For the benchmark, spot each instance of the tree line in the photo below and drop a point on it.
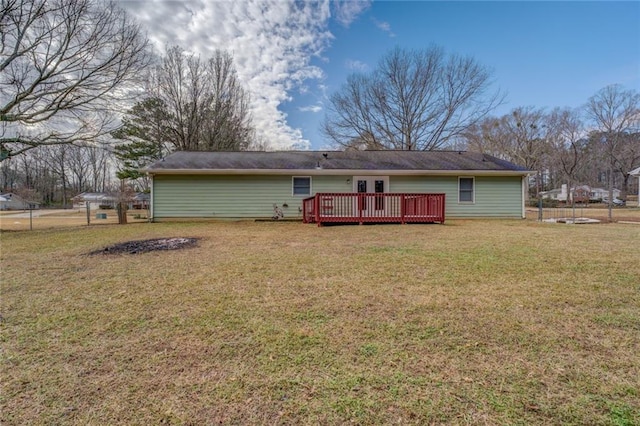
(81, 92)
(597, 144)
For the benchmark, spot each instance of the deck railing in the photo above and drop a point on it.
(377, 208)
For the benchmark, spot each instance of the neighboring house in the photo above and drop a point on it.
(603, 194)
(11, 201)
(96, 199)
(254, 184)
(581, 193)
(636, 173)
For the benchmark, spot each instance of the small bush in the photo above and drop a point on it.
(105, 207)
(546, 203)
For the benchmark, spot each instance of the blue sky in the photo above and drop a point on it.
(292, 56)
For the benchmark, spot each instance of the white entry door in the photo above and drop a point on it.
(371, 185)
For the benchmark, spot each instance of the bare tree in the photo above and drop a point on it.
(207, 106)
(57, 160)
(64, 67)
(79, 160)
(614, 168)
(520, 137)
(568, 144)
(615, 112)
(414, 100)
(628, 158)
(227, 124)
(100, 170)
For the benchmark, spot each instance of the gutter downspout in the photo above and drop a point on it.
(151, 199)
(525, 182)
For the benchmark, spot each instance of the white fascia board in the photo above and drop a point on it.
(338, 172)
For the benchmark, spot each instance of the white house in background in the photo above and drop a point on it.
(95, 200)
(636, 173)
(582, 193)
(11, 201)
(602, 193)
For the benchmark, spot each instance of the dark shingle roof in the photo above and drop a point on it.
(333, 160)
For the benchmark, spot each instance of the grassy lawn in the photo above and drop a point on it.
(472, 322)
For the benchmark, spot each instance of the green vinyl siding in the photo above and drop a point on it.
(495, 196)
(253, 196)
(231, 196)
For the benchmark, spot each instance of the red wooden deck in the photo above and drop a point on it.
(373, 208)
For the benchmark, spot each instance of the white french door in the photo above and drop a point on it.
(371, 185)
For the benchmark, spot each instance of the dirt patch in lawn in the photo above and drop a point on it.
(144, 246)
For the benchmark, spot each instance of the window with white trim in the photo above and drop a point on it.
(301, 185)
(466, 190)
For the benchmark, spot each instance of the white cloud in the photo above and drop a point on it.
(311, 108)
(355, 65)
(272, 43)
(384, 26)
(346, 11)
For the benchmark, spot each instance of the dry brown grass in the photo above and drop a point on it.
(72, 218)
(472, 322)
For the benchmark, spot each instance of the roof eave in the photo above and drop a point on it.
(337, 172)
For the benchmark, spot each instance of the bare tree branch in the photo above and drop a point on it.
(414, 100)
(64, 66)
(207, 106)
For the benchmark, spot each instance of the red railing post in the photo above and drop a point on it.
(304, 211)
(316, 209)
(402, 211)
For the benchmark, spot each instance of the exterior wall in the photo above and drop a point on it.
(495, 196)
(231, 196)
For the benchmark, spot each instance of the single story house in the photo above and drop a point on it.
(97, 200)
(11, 201)
(259, 184)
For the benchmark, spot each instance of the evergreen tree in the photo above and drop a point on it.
(145, 131)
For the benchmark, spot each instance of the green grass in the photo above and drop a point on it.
(473, 322)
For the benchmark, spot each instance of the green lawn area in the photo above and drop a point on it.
(471, 322)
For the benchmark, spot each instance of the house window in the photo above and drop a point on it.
(466, 190)
(301, 185)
